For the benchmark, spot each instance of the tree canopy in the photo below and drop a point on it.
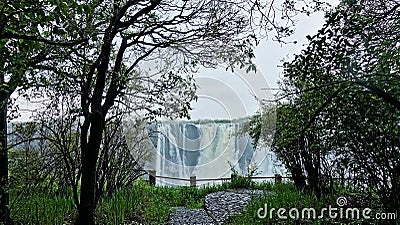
(338, 112)
(131, 56)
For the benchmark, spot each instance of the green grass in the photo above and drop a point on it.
(285, 195)
(151, 205)
(41, 208)
(282, 195)
(141, 202)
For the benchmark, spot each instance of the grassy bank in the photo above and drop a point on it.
(142, 203)
(151, 205)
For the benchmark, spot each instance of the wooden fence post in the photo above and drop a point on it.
(278, 178)
(193, 181)
(152, 177)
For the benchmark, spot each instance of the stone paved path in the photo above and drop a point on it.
(218, 207)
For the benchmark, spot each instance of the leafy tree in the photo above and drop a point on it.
(98, 51)
(340, 113)
(45, 153)
(176, 37)
(29, 33)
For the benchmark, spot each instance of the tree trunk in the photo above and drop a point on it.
(4, 195)
(90, 152)
(394, 198)
(297, 176)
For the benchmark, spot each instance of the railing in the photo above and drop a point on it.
(193, 179)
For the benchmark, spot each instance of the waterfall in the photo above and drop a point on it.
(203, 149)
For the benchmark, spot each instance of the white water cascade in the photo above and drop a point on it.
(203, 149)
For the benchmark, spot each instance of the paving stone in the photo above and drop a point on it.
(183, 215)
(218, 207)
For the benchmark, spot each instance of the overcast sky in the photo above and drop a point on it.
(225, 95)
